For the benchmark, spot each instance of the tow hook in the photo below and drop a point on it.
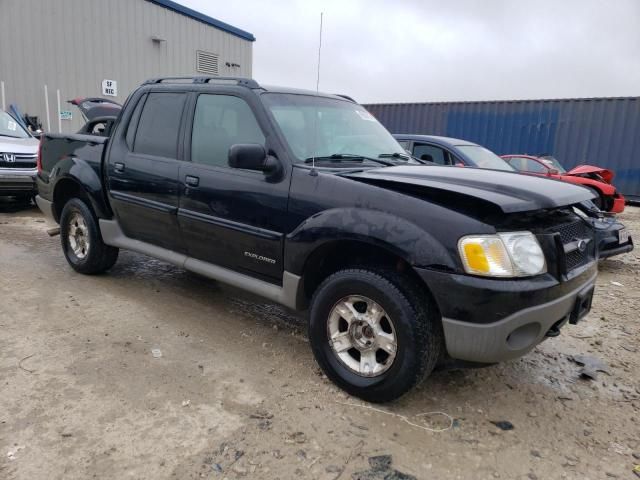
(554, 331)
(52, 232)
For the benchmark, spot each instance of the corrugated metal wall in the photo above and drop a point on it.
(596, 131)
(72, 45)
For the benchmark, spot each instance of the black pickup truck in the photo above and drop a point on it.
(305, 199)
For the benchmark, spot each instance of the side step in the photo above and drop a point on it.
(290, 294)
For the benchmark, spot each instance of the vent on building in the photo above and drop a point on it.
(206, 62)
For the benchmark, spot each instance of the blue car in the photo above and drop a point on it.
(451, 151)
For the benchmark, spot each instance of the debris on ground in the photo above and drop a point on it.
(590, 366)
(296, 437)
(503, 424)
(381, 470)
(156, 352)
(11, 454)
(616, 284)
(186, 403)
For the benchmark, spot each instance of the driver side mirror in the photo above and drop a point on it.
(252, 156)
(553, 171)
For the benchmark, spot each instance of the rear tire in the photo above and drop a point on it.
(405, 315)
(81, 240)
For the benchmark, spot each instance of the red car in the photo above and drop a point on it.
(595, 178)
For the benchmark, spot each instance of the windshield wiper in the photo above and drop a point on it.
(10, 136)
(348, 157)
(403, 156)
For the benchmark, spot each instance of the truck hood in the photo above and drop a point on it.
(580, 170)
(19, 145)
(509, 191)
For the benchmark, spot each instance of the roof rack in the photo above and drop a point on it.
(240, 81)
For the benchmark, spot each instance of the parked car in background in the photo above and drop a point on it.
(99, 113)
(18, 156)
(305, 199)
(612, 237)
(451, 151)
(596, 179)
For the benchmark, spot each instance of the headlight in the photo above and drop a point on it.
(514, 254)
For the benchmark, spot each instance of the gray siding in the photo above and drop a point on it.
(72, 45)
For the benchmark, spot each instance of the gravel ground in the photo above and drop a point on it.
(236, 392)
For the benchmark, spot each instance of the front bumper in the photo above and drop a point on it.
(18, 182)
(618, 203)
(489, 321)
(608, 237)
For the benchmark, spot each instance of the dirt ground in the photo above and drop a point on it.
(236, 392)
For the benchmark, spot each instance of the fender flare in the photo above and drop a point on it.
(381, 229)
(80, 173)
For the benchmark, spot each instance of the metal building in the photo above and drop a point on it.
(596, 131)
(66, 49)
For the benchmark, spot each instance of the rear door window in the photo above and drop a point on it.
(159, 125)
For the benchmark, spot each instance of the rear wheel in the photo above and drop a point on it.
(374, 333)
(81, 240)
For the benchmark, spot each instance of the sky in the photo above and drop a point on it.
(380, 51)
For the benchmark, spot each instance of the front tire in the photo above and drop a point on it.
(81, 240)
(374, 333)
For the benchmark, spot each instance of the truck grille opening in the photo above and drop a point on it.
(578, 242)
(17, 160)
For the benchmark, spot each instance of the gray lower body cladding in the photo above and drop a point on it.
(290, 294)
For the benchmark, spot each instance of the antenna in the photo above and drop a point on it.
(319, 51)
(315, 117)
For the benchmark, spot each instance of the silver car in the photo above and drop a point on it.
(18, 154)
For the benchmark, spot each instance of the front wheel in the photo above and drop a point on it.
(374, 333)
(81, 240)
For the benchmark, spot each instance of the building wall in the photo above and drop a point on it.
(72, 45)
(596, 131)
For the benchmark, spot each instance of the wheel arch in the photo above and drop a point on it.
(69, 187)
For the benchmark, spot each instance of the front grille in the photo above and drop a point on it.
(571, 234)
(20, 160)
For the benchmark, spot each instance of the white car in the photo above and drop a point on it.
(18, 154)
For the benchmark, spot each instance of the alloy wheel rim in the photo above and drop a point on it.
(362, 336)
(78, 235)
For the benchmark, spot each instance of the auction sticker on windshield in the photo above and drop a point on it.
(365, 115)
(11, 125)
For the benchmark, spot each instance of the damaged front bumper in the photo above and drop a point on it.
(489, 320)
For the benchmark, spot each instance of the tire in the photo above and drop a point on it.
(411, 317)
(599, 200)
(96, 257)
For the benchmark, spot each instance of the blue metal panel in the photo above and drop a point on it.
(176, 7)
(596, 131)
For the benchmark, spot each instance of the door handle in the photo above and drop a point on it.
(191, 181)
(118, 167)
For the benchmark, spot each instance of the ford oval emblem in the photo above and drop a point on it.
(582, 245)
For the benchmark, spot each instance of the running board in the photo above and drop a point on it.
(290, 294)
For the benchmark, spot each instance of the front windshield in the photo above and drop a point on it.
(10, 128)
(551, 162)
(483, 158)
(317, 127)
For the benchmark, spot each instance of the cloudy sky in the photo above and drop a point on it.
(412, 50)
